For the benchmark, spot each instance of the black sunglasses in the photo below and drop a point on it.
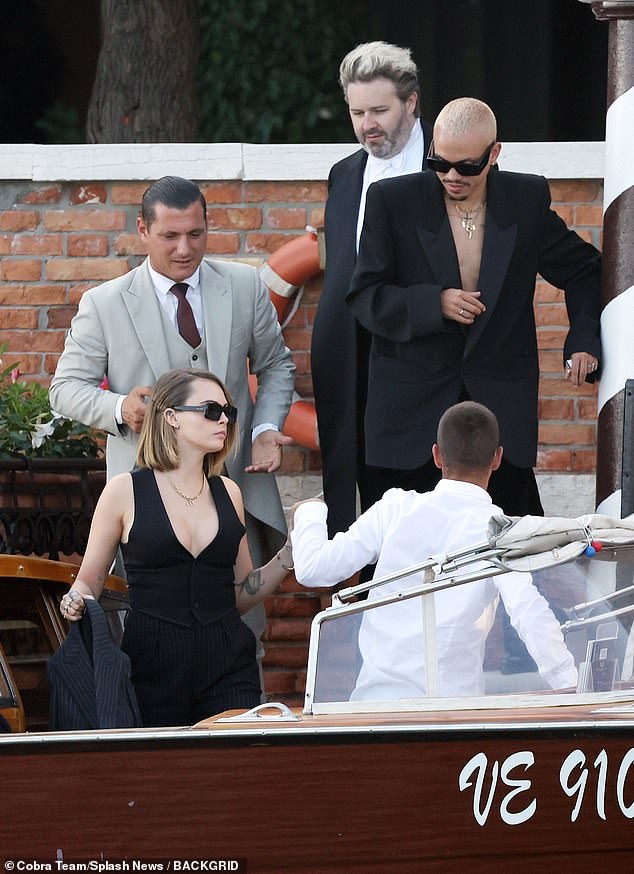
(464, 168)
(213, 410)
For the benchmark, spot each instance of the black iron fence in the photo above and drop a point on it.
(46, 505)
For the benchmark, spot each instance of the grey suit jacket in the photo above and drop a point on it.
(119, 331)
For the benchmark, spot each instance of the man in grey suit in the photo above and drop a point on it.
(178, 310)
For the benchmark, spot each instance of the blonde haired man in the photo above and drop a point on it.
(445, 282)
(380, 86)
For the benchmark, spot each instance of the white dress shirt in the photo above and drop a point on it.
(401, 530)
(409, 160)
(169, 302)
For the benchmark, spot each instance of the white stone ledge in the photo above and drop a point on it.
(16, 161)
(567, 494)
(251, 162)
(555, 160)
(311, 161)
(138, 161)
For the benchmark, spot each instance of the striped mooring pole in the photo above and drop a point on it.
(615, 434)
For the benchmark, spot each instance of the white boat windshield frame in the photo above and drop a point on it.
(540, 544)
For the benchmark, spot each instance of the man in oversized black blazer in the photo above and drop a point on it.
(445, 281)
(380, 85)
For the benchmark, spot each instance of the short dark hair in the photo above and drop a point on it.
(468, 436)
(172, 191)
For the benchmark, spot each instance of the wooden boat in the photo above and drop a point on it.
(31, 629)
(515, 779)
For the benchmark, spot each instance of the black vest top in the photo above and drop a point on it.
(164, 578)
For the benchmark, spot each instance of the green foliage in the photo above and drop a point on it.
(29, 427)
(60, 124)
(269, 69)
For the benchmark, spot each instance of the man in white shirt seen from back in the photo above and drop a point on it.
(403, 529)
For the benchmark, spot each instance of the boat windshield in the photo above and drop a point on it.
(559, 634)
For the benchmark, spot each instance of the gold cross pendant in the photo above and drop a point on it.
(468, 225)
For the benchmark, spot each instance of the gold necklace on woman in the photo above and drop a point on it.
(467, 217)
(189, 502)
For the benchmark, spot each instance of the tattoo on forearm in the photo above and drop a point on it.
(253, 582)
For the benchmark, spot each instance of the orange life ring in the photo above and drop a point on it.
(287, 269)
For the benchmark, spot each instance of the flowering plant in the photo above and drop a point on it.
(28, 426)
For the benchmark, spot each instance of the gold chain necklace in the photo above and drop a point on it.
(188, 501)
(467, 217)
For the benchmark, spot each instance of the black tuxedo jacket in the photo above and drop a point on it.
(340, 346)
(420, 362)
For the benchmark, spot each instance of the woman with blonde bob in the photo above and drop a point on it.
(180, 524)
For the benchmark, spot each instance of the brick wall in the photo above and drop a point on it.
(59, 238)
(567, 416)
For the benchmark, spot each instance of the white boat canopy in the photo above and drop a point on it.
(532, 542)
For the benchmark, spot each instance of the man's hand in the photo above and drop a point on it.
(266, 452)
(461, 306)
(133, 407)
(580, 365)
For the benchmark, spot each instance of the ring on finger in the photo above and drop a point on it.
(461, 312)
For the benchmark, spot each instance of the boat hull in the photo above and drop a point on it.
(355, 794)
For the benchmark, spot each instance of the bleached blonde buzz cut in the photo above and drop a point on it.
(465, 114)
(381, 60)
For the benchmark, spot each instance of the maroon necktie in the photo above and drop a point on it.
(184, 315)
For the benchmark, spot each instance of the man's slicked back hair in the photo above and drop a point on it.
(173, 192)
(381, 60)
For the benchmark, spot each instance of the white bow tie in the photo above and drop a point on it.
(388, 166)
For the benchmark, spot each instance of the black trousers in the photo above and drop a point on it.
(513, 489)
(184, 674)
